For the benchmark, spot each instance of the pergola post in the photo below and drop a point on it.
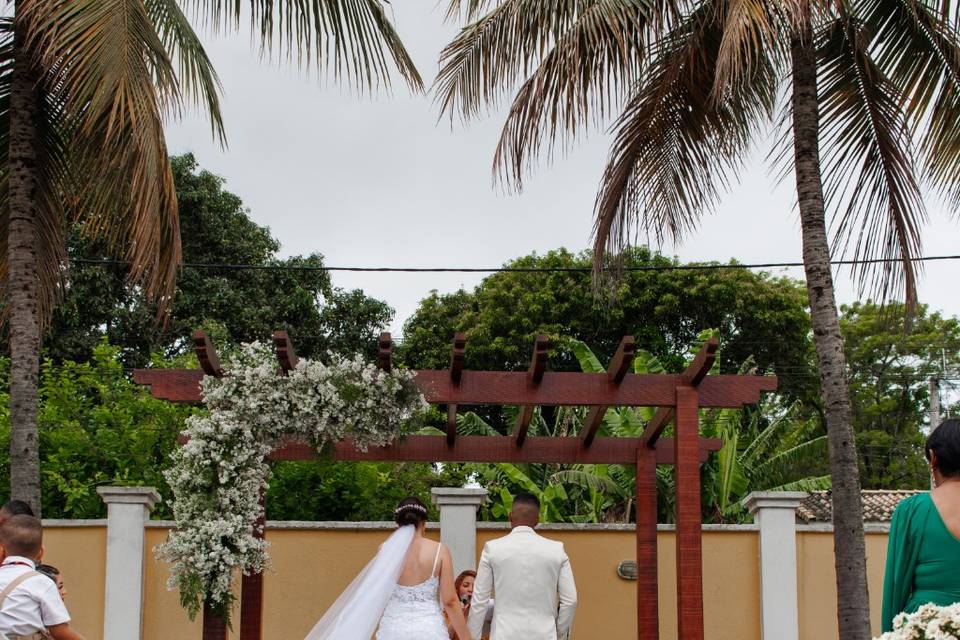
(687, 481)
(648, 609)
(214, 628)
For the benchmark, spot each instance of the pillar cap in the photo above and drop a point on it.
(757, 500)
(147, 496)
(470, 496)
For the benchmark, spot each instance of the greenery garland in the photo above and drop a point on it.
(217, 477)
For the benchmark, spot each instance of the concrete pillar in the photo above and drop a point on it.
(128, 509)
(458, 523)
(776, 514)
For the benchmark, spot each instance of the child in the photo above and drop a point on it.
(30, 604)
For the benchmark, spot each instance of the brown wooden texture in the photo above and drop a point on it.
(620, 363)
(648, 609)
(451, 424)
(495, 449)
(659, 421)
(206, 354)
(286, 354)
(697, 370)
(214, 628)
(251, 592)
(513, 388)
(689, 549)
(385, 351)
(538, 362)
(616, 372)
(458, 357)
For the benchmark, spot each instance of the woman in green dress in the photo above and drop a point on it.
(923, 552)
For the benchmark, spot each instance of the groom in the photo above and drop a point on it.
(531, 576)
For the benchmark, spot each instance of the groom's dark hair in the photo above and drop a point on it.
(527, 498)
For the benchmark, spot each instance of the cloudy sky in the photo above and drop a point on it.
(380, 182)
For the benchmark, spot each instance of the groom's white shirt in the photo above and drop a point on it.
(533, 583)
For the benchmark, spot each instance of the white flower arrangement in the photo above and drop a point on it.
(929, 622)
(217, 477)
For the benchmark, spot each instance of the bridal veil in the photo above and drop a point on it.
(356, 613)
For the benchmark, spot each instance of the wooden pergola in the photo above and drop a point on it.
(677, 397)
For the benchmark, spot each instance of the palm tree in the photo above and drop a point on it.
(876, 83)
(85, 86)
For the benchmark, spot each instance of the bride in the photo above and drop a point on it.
(404, 590)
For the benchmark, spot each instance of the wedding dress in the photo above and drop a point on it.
(375, 599)
(413, 612)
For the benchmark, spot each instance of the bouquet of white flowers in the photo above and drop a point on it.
(930, 622)
(217, 477)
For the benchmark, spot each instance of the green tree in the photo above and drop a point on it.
(756, 315)
(85, 86)
(236, 305)
(877, 82)
(891, 357)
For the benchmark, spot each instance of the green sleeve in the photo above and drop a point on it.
(901, 563)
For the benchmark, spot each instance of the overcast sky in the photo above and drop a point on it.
(379, 182)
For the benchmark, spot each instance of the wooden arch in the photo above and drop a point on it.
(678, 398)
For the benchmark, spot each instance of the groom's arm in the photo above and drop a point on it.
(567, 595)
(482, 590)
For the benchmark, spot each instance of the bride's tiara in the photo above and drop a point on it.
(407, 507)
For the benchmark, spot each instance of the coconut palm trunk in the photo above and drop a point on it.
(23, 282)
(850, 554)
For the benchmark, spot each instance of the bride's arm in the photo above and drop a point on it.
(448, 596)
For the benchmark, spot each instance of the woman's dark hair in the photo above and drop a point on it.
(48, 570)
(469, 573)
(17, 508)
(410, 511)
(945, 441)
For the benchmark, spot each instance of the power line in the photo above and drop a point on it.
(672, 267)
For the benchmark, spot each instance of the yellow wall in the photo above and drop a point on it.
(817, 582)
(310, 567)
(81, 555)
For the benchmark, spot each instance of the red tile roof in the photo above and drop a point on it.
(878, 506)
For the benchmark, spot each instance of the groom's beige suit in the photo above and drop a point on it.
(533, 583)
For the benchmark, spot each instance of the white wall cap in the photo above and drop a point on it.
(470, 496)
(146, 496)
(757, 500)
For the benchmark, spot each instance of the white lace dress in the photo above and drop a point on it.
(414, 613)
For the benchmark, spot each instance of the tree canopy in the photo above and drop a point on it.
(234, 305)
(665, 309)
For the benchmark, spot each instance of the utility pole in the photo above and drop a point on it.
(934, 403)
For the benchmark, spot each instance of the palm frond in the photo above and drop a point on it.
(468, 10)
(589, 362)
(869, 168)
(114, 81)
(917, 46)
(587, 479)
(352, 39)
(793, 458)
(196, 76)
(471, 424)
(674, 145)
(819, 483)
(754, 30)
(585, 75)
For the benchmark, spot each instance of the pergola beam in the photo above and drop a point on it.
(616, 372)
(557, 389)
(385, 351)
(286, 354)
(538, 365)
(692, 376)
(206, 354)
(458, 358)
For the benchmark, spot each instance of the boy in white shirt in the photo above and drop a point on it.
(30, 603)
